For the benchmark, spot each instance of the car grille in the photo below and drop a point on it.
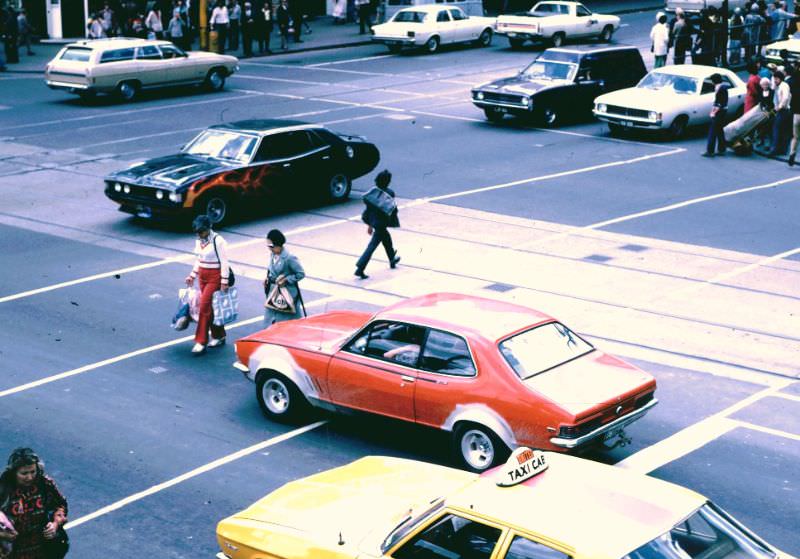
(141, 194)
(502, 98)
(625, 111)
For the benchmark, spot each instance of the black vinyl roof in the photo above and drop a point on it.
(263, 126)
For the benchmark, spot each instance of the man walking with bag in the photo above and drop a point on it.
(379, 215)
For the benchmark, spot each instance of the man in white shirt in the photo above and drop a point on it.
(782, 97)
(219, 22)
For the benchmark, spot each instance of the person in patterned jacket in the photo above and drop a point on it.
(33, 503)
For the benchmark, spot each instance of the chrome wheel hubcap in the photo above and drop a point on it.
(216, 210)
(276, 396)
(127, 90)
(477, 449)
(550, 116)
(216, 80)
(338, 186)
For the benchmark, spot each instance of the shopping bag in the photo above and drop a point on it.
(225, 305)
(188, 299)
(280, 299)
(191, 295)
(380, 200)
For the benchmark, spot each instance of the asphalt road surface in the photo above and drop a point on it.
(686, 266)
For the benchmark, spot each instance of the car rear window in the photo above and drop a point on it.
(542, 348)
(409, 17)
(116, 55)
(77, 54)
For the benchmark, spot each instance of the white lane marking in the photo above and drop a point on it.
(787, 396)
(695, 436)
(768, 430)
(287, 80)
(104, 115)
(661, 209)
(194, 473)
(78, 129)
(362, 59)
(136, 353)
(145, 137)
(324, 225)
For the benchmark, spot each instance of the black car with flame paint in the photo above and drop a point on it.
(561, 84)
(245, 164)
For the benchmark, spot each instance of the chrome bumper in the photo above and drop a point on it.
(482, 103)
(405, 41)
(628, 121)
(244, 369)
(66, 85)
(221, 555)
(615, 425)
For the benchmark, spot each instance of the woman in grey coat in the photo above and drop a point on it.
(283, 269)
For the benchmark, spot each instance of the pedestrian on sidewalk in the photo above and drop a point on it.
(212, 271)
(753, 92)
(378, 221)
(794, 105)
(719, 112)
(25, 31)
(11, 36)
(264, 24)
(153, 23)
(782, 97)
(681, 37)
(659, 37)
(296, 10)
(235, 18)
(282, 18)
(219, 22)
(248, 29)
(339, 12)
(176, 28)
(284, 271)
(107, 20)
(736, 31)
(32, 502)
(364, 16)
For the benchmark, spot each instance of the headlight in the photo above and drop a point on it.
(159, 194)
(349, 151)
(174, 197)
(772, 52)
(126, 189)
(118, 187)
(527, 101)
(479, 96)
(602, 107)
(652, 115)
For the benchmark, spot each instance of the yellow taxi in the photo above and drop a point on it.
(536, 506)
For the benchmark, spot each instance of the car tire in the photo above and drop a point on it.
(615, 130)
(338, 187)
(477, 448)
(432, 45)
(215, 80)
(677, 129)
(607, 33)
(395, 49)
(485, 38)
(128, 90)
(558, 39)
(550, 117)
(516, 44)
(493, 115)
(217, 207)
(279, 398)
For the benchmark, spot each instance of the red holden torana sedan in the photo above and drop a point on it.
(494, 374)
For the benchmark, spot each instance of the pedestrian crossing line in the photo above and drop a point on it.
(696, 435)
(130, 355)
(194, 473)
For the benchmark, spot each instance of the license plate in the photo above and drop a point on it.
(512, 34)
(626, 123)
(144, 211)
(501, 110)
(612, 434)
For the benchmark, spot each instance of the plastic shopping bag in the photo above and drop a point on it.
(188, 308)
(225, 305)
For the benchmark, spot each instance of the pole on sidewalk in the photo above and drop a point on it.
(202, 20)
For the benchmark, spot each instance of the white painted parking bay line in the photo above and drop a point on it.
(767, 430)
(136, 353)
(362, 59)
(695, 436)
(194, 473)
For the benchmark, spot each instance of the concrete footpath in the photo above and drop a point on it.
(325, 34)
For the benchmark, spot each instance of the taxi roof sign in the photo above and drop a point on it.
(523, 464)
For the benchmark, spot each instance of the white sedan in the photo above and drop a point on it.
(669, 99)
(431, 26)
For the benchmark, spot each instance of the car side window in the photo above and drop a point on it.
(708, 87)
(148, 52)
(727, 81)
(284, 145)
(448, 354)
(442, 16)
(457, 14)
(116, 55)
(451, 537)
(396, 342)
(523, 548)
(581, 11)
(544, 8)
(168, 51)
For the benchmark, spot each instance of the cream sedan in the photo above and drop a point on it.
(669, 99)
(432, 26)
(126, 66)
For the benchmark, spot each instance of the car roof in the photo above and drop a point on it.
(428, 8)
(590, 49)
(597, 510)
(692, 70)
(116, 43)
(463, 314)
(265, 126)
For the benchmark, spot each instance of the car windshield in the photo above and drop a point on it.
(549, 70)
(409, 17)
(683, 85)
(221, 144)
(408, 523)
(709, 532)
(542, 348)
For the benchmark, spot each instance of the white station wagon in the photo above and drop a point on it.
(125, 66)
(669, 99)
(432, 26)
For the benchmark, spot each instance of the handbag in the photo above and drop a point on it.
(380, 200)
(231, 275)
(280, 299)
(225, 305)
(5, 546)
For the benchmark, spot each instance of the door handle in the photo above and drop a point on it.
(406, 378)
(287, 165)
(326, 157)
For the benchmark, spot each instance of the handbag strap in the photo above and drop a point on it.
(214, 241)
(300, 298)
